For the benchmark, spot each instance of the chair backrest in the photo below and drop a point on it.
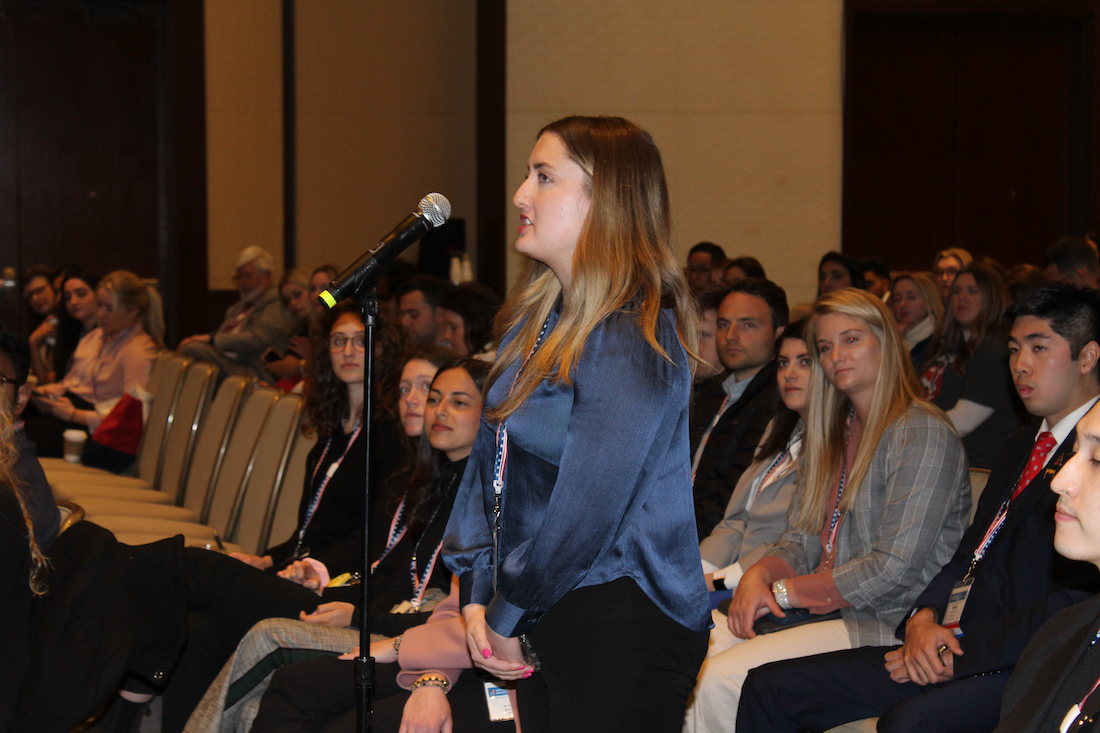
(978, 477)
(256, 499)
(212, 439)
(238, 457)
(284, 523)
(153, 436)
(194, 398)
(70, 514)
(163, 357)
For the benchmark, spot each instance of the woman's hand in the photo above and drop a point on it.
(427, 711)
(262, 563)
(288, 366)
(752, 600)
(60, 407)
(499, 655)
(304, 574)
(336, 615)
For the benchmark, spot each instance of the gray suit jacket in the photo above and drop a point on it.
(267, 325)
(907, 520)
(744, 535)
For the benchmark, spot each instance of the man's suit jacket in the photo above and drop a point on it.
(1021, 582)
(1048, 663)
(267, 325)
(732, 446)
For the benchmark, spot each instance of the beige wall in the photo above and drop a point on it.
(742, 96)
(386, 114)
(385, 98)
(244, 132)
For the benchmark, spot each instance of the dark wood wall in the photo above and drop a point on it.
(102, 144)
(969, 124)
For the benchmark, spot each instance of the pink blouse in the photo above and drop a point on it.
(103, 369)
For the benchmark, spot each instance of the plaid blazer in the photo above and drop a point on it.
(908, 518)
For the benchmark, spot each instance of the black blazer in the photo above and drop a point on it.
(731, 446)
(1047, 664)
(1021, 582)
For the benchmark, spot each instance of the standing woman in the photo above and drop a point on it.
(882, 501)
(966, 368)
(594, 560)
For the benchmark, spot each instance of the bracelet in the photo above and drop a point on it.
(779, 590)
(431, 680)
(396, 644)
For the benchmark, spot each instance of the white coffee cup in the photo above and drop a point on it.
(74, 444)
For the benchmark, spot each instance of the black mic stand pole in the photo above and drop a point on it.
(367, 297)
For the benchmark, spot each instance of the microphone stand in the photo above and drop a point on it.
(367, 297)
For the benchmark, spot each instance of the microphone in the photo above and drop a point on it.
(433, 210)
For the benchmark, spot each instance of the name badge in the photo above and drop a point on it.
(955, 606)
(500, 706)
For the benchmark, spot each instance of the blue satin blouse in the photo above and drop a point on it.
(597, 485)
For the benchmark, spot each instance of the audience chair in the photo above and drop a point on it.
(200, 469)
(70, 514)
(232, 475)
(284, 523)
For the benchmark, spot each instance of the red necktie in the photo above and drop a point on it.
(1036, 461)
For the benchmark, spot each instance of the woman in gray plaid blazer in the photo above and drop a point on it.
(882, 501)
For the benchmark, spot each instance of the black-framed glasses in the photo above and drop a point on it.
(339, 343)
(5, 381)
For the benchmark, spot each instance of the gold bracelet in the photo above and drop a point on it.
(431, 680)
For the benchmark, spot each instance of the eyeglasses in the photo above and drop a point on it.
(5, 381)
(339, 343)
(33, 292)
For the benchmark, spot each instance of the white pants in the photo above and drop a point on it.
(713, 706)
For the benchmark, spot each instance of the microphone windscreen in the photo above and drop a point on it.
(436, 208)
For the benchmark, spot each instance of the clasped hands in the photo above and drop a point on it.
(498, 655)
(920, 660)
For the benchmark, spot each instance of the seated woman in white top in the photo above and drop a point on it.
(108, 361)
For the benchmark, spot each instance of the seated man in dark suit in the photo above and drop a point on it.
(1054, 685)
(966, 631)
(255, 324)
(750, 317)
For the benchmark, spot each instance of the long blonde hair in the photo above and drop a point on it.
(623, 253)
(933, 301)
(9, 482)
(824, 444)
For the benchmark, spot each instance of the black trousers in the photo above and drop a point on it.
(611, 661)
(226, 598)
(319, 695)
(823, 691)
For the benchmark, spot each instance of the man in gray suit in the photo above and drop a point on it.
(258, 322)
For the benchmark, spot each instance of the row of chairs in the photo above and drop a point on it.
(222, 467)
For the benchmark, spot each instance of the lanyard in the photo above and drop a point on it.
(329, 473)
(501, 460)
(834, 524)
(765, 477)
(398, 529)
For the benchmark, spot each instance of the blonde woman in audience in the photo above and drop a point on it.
(108, 361)
(573, 550)
(918, 309)
(946, 265)
(882, 500)
(290, 368)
